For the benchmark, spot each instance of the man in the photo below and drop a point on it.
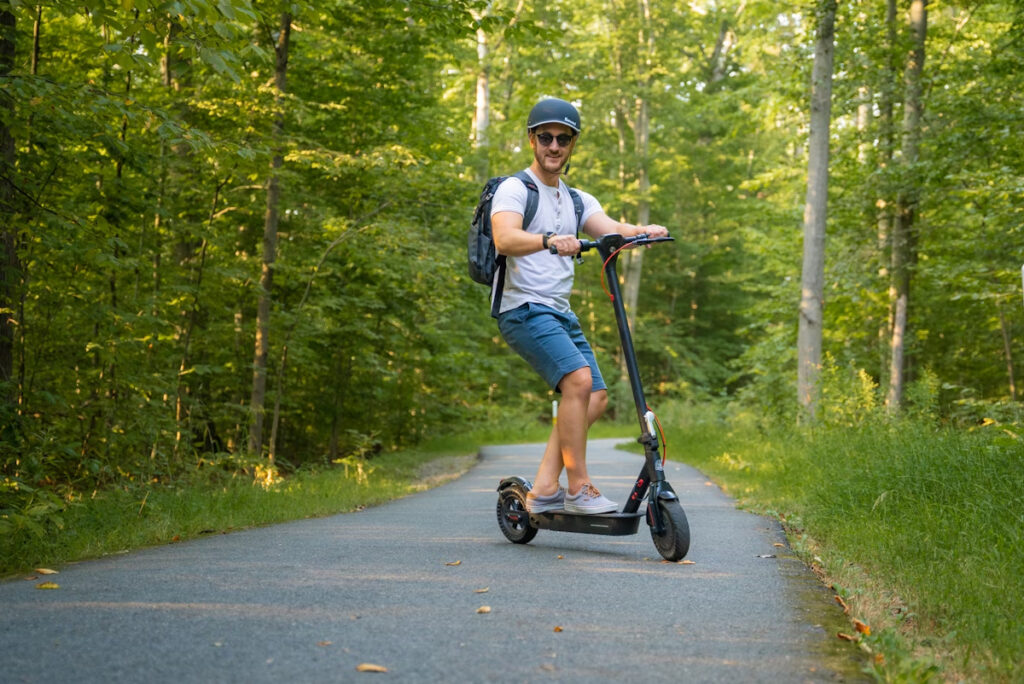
(535, 318)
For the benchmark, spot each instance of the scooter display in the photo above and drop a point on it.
(663, 512)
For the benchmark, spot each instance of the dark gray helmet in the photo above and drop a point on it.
(554, 110)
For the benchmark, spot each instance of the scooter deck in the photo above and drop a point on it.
(616, 524)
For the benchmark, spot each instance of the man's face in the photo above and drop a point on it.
(552, 156)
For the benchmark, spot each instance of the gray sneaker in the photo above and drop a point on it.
(545, 504)
(589, 501)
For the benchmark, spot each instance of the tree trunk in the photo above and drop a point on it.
(717, 62)
(634, 261)
(482, 113)
(884, 204)
(815, 214)
(259, 373)
(903, 239)
(634, 257)
(10, 267)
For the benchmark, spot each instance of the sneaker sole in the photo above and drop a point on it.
(545, 508)
(611, 508)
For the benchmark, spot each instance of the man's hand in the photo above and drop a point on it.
(567, 245)
(654, 230)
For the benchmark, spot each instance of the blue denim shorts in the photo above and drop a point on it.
(551, 341)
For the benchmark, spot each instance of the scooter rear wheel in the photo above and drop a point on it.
(674, 542)
(513, 518)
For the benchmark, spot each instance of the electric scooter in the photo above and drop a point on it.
(663, 512)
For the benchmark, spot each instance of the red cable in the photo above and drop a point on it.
(604, 267)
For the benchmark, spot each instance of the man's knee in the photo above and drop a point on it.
(598, 402)
(577, 383)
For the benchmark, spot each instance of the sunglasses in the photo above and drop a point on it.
(545, 139)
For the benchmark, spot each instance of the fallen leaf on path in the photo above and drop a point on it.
(483, 610)
(46, 571)
(482, 591)
(846, 637)
(30, 578)
(687, 562)
(323, 643)
(454, 563)
(48, 585)
(861, 627)
(370, 667)
(841, 602)
(558, 629)
(778, 545)
(560, 557)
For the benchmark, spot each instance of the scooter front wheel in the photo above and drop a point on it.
(513, 518)
(674, 541)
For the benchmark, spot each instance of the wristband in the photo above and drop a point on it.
(545, 241)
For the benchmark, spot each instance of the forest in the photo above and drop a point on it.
(234, 231)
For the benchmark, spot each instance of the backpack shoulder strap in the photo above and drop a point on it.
(532, 197)
(577, 204)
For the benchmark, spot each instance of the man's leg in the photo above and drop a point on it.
(581, 402)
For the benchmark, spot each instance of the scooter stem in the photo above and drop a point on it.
(607, 248)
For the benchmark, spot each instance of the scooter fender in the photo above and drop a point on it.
(518, 483)
(661, 491)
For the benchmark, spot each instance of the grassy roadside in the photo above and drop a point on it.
(919, 530)
(117, 520)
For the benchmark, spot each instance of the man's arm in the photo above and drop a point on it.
(601, 224)
(509, 237)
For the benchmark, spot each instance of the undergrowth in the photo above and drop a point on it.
(919, 527)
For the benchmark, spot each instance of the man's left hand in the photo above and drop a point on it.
(654, 231)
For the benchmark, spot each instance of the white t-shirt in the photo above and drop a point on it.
(541, 277)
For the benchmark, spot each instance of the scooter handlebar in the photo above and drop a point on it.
(614, 241)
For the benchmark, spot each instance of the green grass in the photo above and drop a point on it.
(920, 529)
(128, 517)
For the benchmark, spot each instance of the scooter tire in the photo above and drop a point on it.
(674, 542)
(513, 518)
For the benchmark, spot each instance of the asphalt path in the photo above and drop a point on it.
(428, 588)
